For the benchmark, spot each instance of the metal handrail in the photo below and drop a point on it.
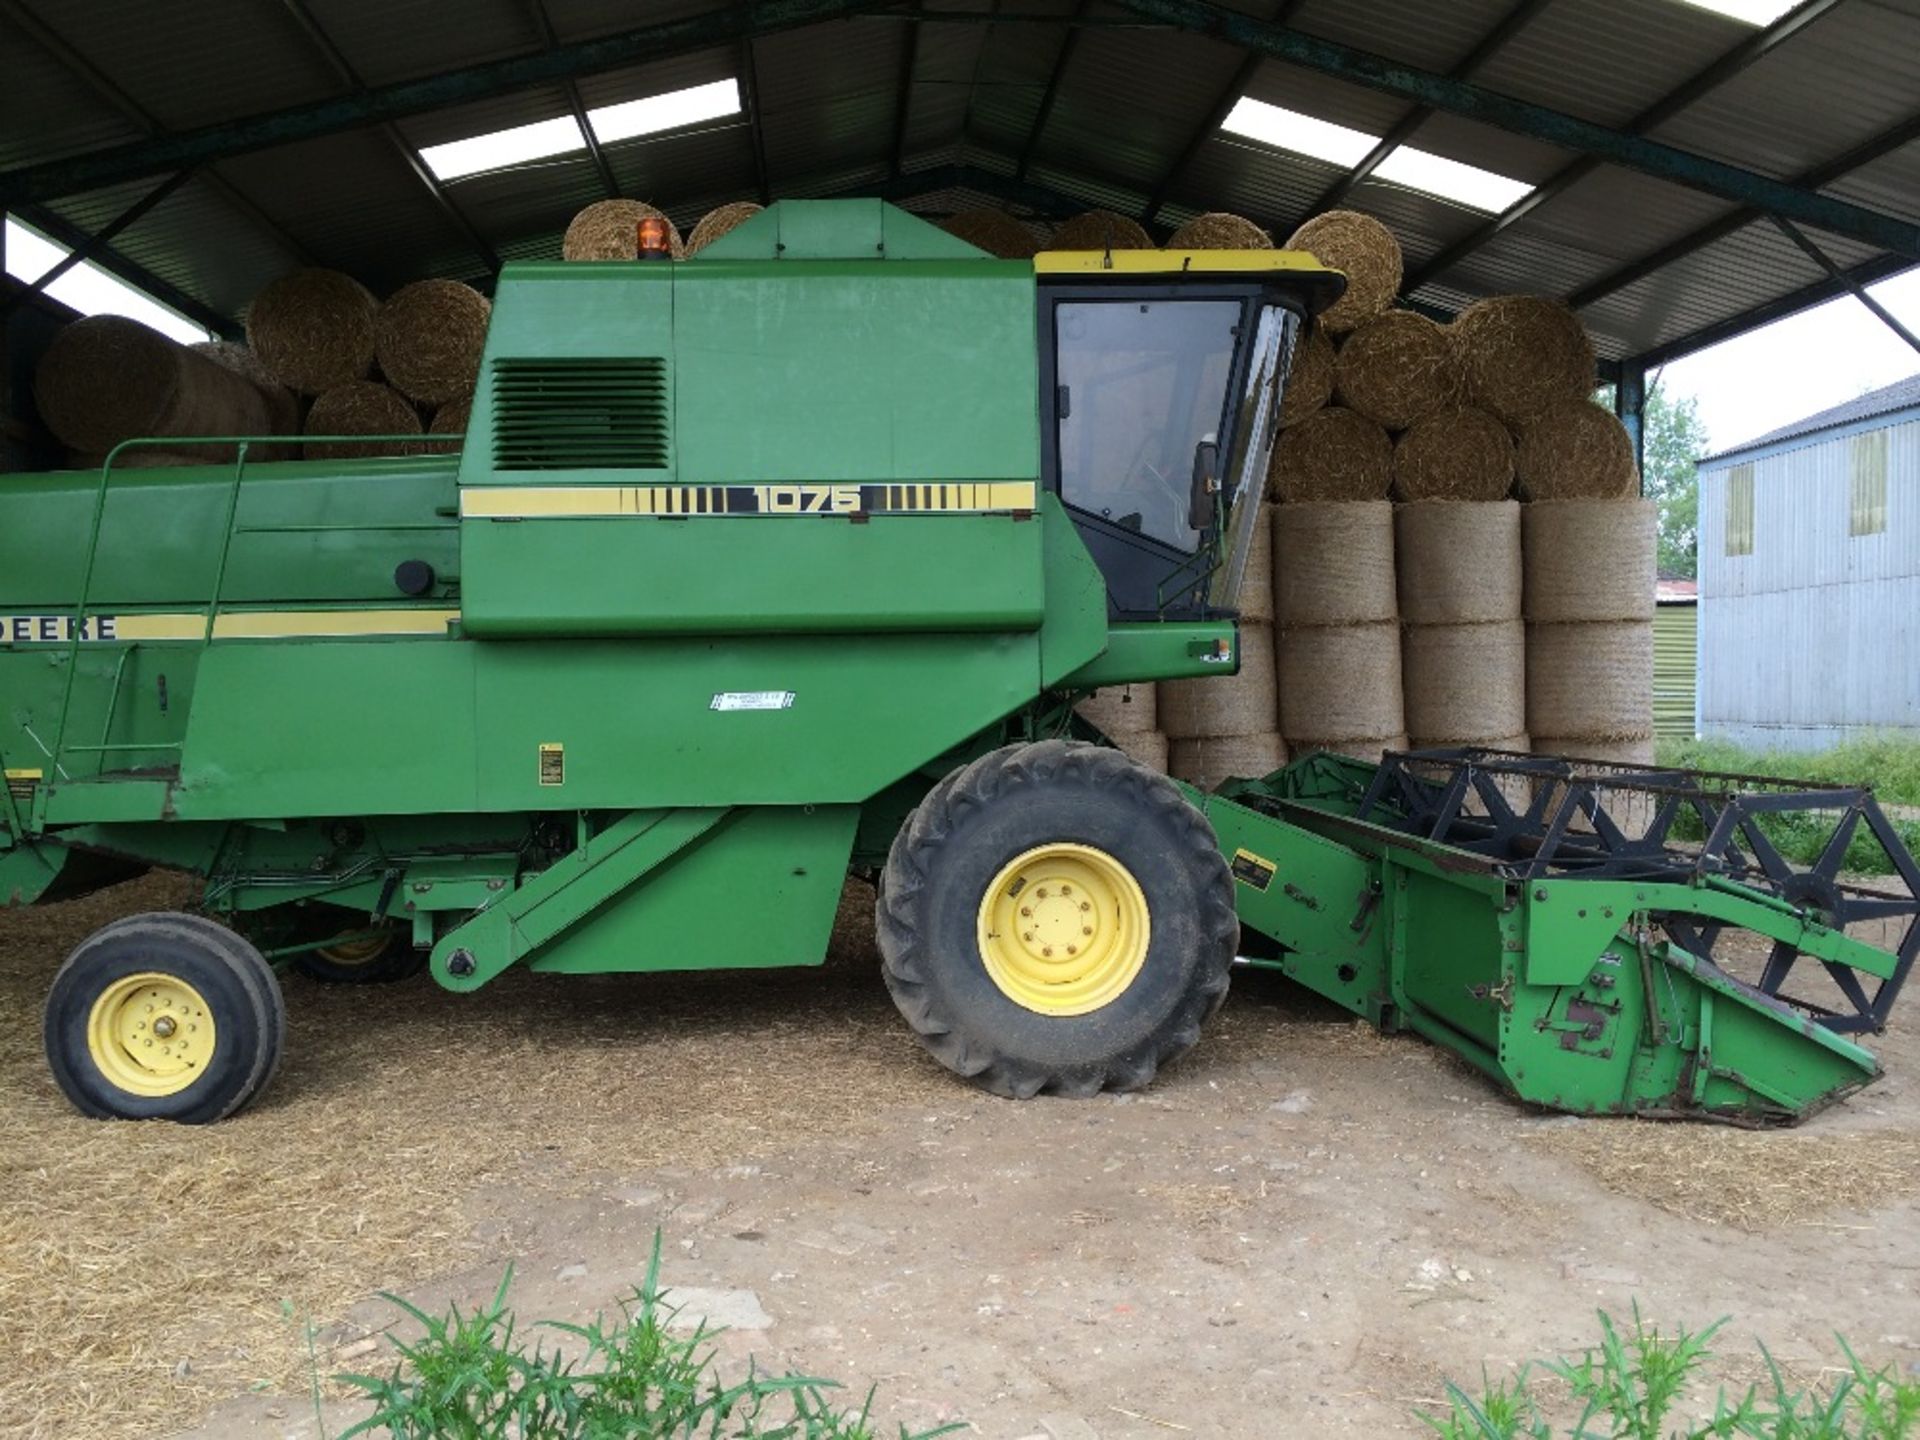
(77, 628)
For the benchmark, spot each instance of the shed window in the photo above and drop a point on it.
(1740, 510)
(1867, 495)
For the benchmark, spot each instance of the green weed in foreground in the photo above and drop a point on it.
(1627, 1389)
(474, 1377)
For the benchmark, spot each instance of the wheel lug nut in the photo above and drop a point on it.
(1084, 905)
(1066, 889)
(1048, 951)
(1073, 949)
(1026, 912)
(1086, 930)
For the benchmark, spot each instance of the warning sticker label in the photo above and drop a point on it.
(1252, 870)
(727, 700)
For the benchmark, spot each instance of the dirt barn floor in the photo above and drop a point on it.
(1301, 1230)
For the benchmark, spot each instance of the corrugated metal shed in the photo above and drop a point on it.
(1043, 105)
(1816, 631)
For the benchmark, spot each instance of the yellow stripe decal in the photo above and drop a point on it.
(26, 775)
(231, 625)
(1176, 262)
(514, 502)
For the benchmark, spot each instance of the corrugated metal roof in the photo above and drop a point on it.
(1892, 399)
(1130, 99)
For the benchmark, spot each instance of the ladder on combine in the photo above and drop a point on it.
(1598, 938)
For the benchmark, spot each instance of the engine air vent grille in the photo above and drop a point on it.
(580, 414)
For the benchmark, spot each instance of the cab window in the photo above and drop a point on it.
(1141, 386)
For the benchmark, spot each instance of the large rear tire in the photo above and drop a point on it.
(1056, 918)
(163, 1017)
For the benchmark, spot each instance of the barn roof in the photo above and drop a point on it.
(1683, 175)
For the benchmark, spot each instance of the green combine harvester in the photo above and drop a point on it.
(793, 559)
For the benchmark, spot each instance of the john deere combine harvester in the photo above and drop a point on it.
(793, 558)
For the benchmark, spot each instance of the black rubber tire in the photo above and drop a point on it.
(946, 855)
(237, 984)
(399, 961)
(258, 972)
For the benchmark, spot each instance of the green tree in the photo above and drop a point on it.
(1675, 439)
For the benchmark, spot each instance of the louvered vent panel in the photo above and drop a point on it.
(580, 414)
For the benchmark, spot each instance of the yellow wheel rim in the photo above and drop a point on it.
(363, 951)
(1064, 929)
(151, 1034)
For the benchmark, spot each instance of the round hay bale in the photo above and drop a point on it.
(313, 329)
(1149, 747)
(1368, 749)
(1216, 705)
(130, 460)
(283, 406)
(1341, 680)
(1363, 250)
(1467, 682)
(428, 337)
(1217, 230)
(1576, 451)
(106, 379)
(1333, 565)
(1336, 454)
(1458, 453)
(1309, 387)
(718, 221)
(1458, 561)
(1121, 710)
(450, 420)
(1100, 230)
(1397, 368)
(1522, 354)
(1633, 750)
(1212, 761)
(1591, 559)
(362, 407)
(1256, 583)
(610, 230)
(1591, 678)
(994, 231)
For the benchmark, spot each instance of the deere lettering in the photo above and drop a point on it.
(52, 629)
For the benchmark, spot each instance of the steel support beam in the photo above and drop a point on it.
(320, 40)
(97, 241)
(1630, 404)
(903, 100)
(1061, 59)
(1754, 48)
(662, 40)
(66, 233)
(1536, 122)
(82, 69)
(549, 37)
(1222, 107)
(1511, 24)
(1825, 261)
(1868, 272)
(750, 102)
(1734, 220)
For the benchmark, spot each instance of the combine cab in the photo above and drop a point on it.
(790, 559)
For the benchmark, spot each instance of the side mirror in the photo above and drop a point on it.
(1201, 497)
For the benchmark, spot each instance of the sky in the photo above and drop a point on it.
(1794, 367)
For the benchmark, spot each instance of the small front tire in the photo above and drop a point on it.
(163, 1017)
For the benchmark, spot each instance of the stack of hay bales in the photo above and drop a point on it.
(106, 379)
(1589, 607)
(1217, 230)
(428, 337)
(362, 407)
(1129, 716)
(1222, 727)
(1337, 616)
(313, 329)
(1464, 646)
